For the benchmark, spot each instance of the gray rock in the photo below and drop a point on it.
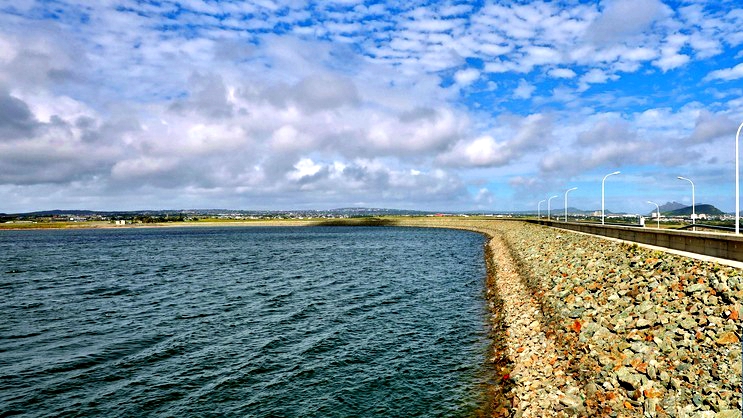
(628, 378)
(652, 317)
(573, 402)
(650, 407)
(696, 287)
(642, 323)
(652, 372)
(645, 306)
(605, 360)
(576, 313)
(639, 347)
(591, 389)
(664, 376)
(688, 323)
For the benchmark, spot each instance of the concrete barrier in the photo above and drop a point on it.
(711, 244)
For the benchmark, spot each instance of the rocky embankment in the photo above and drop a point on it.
(583, 326)
(635, 332)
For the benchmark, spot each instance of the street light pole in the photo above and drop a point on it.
(602, 194)
(657, 207)
(737, 183)
(548, 206)
(539, 208)
(693, 210)
(566, 202)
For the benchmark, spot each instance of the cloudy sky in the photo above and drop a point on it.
(433, 105)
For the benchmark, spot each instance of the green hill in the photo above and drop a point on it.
(686, 211)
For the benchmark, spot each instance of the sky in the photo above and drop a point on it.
(426, 105)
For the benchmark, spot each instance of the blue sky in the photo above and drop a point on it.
(433, 105)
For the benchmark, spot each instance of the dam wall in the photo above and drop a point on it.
(726, 246)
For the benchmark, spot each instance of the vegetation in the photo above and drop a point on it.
(366, 221)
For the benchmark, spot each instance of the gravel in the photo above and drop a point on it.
(636, 332)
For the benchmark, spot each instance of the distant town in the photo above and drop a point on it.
(671, 213)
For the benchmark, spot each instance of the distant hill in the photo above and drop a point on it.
(686, 211)
(671, 206)
(57, 212)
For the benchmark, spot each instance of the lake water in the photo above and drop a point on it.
(249, 322)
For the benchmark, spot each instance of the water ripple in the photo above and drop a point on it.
(311, 322)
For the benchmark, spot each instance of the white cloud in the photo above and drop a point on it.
(314, 103)
(524, 90)
(135, 168)
(671, 61)
(709, 126)
(484, 151)
(726, 74)
(640, 54)
(623, 19)
(304, 168)
(484, 198)
(561, 73)
(595, 76)
(540, 55)
(518, 137)
(467, 76)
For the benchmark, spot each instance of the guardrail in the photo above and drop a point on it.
(714, 245)
(706, 226)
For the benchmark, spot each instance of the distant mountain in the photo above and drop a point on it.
(58, 212)
(671, 206)
(576, 211)
(686, 211)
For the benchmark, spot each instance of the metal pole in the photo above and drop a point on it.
(602, 194)
(548, 206)
(657, 207)
(566, 202)
(737, 183)
(539, 208)
(693, 210)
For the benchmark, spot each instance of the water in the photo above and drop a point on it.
(256, 322)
